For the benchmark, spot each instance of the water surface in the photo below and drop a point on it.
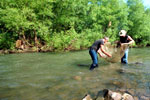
(65, 76)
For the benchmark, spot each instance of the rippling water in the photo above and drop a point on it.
(65, 76)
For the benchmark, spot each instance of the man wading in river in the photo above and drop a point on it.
(95, 48)
(125, 39)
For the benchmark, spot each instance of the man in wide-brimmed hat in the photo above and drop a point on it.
(125, 39)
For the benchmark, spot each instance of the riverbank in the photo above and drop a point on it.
(34, 49)
(46, 49)
(8, 51)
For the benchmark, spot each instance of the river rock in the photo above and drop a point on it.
(110, 95)
(121, 71)
(138, 63)
(136, 98)
(127, 96)
(87, 97)
(77, 78)
(118, 83)
(144, 98)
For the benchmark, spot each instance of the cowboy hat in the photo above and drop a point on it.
(122, 33)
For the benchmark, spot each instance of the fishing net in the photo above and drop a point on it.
(117, 52)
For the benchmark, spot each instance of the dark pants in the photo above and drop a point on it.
(94, 57)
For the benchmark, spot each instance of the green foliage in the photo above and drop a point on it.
(71, 24)
(62, 40)
(6, 42)
(139, 22)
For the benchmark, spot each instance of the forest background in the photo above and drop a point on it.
(59, 25)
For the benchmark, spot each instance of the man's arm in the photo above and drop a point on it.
(131, 40)
(104, 51)
(99, 52)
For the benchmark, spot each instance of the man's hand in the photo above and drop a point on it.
(102, 56)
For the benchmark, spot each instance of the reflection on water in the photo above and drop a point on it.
(65, 76)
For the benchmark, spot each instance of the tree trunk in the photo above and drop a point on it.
(35, 38)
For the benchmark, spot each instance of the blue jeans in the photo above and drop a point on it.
(124, 59)
(94, 57)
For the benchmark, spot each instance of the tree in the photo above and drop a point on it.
(139, 22)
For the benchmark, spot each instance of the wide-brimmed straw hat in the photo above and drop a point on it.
(122, 33)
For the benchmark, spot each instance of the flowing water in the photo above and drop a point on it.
(66, 76)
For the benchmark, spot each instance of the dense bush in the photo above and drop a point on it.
(71, 24)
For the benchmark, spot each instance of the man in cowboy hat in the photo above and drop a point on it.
(125, 39)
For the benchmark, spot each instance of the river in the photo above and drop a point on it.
(66, 76)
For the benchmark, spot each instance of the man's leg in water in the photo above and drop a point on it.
(93, 54)
(124, 59)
